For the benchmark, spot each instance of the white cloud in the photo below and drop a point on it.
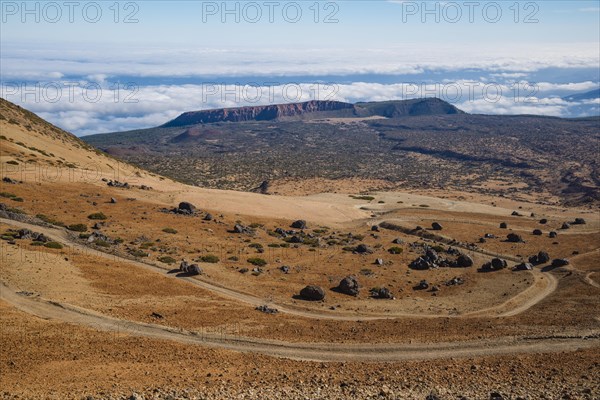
(40, 63)
(155, 105)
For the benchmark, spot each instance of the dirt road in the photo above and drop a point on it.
(544, 284)
(299, 351)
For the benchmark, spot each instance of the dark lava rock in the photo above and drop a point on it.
(503, 225)
(560, 262)
(579, 221)
(208, 217)
(375, 228)
(185, 208)
(436, 226)
(363, 248)
(422, 285)
(552, 234)
(455, 281)
(498, 263)
(349, 285)
(540, 258)
(516, 214)
(312, 293)
(300, 224)
(565, 225)
(296, 239)
(267, 310)
(494, 265)
(514, 238)
(537, 232)
(381, 293)
(523, 267)
(464, 261)
(543, 221)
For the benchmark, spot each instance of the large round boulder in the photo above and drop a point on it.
(349, 286)
(363, 248)
(436, 226)
(312, 293)
(514, 238)
(464, 261)
(560, 262)
(498, 263)
(186, 207)
(300, 224)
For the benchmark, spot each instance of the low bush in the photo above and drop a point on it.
(209, 258)
(167, 260)
(77, 227)
(259, 262)
(395, 250)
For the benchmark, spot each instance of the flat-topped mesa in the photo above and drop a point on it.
(257, 113)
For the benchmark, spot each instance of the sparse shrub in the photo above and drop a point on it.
(36, 243)
(146, 245)
(170, 230)
(53, 245)
(274, 245)
(438, 248)
(381, 202)
(102, 243)
(167, 259)
(84, 235)
(257, 261)
(367, 198)
(7, 195)
(12, 162)
(49, 220)
(98, 215)
(256, 225)
(19, 199)
(255, 245)
(210, 258)
(366, 272)
(77, 227)
(138, 253)
(234, 258)
(395, 250)
(424, 205)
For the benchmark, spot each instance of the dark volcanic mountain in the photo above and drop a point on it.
(424, 143)
(315, 109)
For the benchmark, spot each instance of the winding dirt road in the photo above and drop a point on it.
(322, 352)
(544, 284)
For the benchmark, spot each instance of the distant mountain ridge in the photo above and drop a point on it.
(316, 109)
(592, 94)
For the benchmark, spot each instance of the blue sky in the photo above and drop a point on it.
(170, 50)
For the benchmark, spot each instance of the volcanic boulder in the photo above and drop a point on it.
(312, 293)
(349, 285)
